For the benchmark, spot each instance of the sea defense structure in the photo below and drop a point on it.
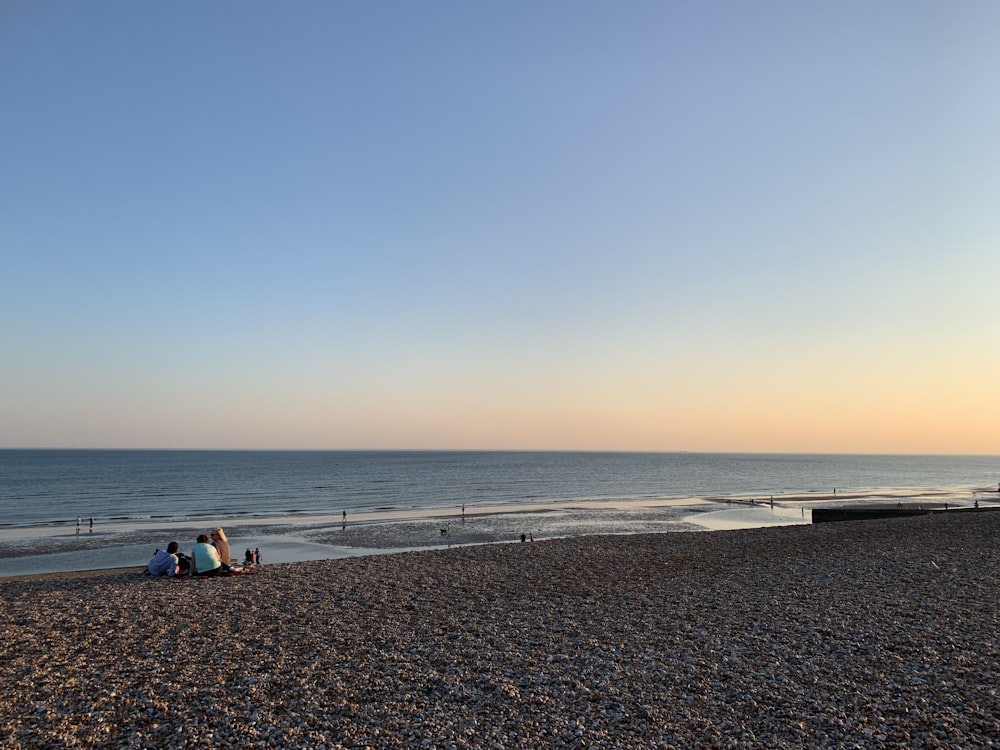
(826, 515)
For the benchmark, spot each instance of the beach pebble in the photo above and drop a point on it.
(834, 635)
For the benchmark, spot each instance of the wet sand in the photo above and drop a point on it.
(287, 539)
(868, 634)
(317, 541)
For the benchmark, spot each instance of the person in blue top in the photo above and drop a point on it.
(165, 562)
(206, 558)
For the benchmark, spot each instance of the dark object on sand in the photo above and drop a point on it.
(823, 515)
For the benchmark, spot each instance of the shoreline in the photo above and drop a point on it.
(126, 569)
(877, 634)
(363, 533)
(379, 532)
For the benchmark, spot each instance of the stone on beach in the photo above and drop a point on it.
(869, 634)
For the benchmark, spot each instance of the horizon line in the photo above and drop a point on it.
(194, 449)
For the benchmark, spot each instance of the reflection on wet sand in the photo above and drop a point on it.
(396, 530)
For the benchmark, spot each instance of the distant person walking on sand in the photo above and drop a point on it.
(78, 522)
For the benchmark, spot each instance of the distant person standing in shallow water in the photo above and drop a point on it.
(91, 524)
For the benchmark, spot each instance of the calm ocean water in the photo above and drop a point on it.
(53, 487)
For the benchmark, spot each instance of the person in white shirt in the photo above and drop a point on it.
(165, 562)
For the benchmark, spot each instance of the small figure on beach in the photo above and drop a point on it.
(343, 517)
(445, 530)
(206, 558)
(91, 524)
(165, 562)
(257, 558)
(248, 557)
(78, 522)
(524, 538)
(975, 504)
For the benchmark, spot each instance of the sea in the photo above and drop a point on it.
(44, 492)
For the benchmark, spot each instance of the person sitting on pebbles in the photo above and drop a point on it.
(206, 558)
(221, 545)
(165, 562)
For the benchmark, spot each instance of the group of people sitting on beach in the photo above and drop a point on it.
(209, 557)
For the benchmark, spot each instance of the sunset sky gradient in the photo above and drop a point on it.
(704, 226)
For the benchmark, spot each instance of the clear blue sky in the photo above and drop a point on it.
(635, 225)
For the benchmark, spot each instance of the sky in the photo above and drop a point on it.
(571, 225)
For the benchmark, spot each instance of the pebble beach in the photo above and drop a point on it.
(871, 634)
